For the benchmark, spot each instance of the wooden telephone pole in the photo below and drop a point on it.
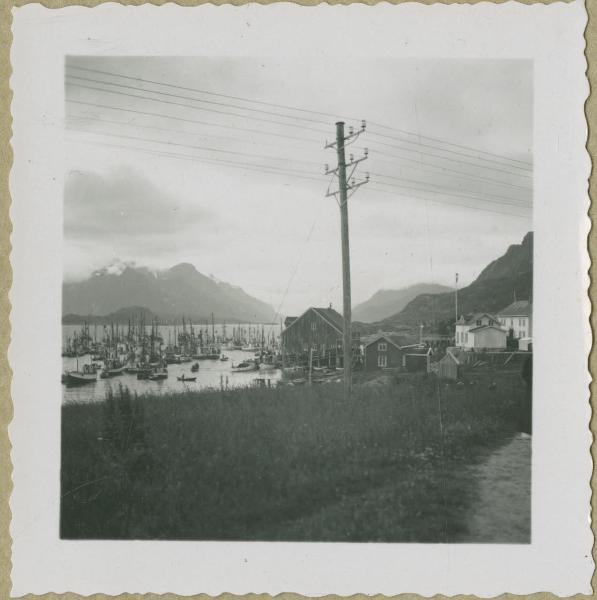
(345, 185)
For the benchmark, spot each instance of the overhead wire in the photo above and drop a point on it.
(299, 109)
(199, 108)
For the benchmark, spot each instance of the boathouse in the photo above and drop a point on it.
(316, 337)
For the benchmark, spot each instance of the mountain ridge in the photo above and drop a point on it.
(168, 294)
(507, 277)
(387, 302)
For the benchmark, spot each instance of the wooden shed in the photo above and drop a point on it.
(316, 335)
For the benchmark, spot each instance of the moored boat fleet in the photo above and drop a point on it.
(146, 350)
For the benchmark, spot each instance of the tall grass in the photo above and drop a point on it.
(284, 463)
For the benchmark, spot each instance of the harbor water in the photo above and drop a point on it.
(211, 373)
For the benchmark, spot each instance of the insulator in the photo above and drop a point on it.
(366, 151)
(327, 168)
(367, 176)
(363, 124)
(351, 130)
(351, 157)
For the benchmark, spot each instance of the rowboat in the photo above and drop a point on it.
(183, 378)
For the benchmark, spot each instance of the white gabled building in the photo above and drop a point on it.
(518, 317)
(480, 331)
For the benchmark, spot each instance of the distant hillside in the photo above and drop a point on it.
(494, 289)
(122, 316)
(385, 303)
(169, 294)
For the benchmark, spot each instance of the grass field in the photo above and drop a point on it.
(289, 463)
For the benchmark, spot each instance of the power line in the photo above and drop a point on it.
(439, 140)
(297, 109)
(449, 170)
(168, 143)
(210, 93)
(455, 152)
(481, 208)
(257, 110)
(178, 131)
(421, 189)
(441, 188)
(271, 170)
(455, 160)
(182, 119)
(200, 108)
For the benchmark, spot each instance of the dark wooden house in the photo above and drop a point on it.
(315, 336)
(383, 352)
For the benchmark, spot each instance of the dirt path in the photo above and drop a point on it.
(503, 512)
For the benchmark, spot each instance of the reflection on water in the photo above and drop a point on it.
(212, 373)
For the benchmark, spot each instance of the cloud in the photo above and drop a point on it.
(124, 205)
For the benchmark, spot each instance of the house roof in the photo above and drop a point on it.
(475, 329)
(289, 320)
(520, 308)
(329, 315)
(387, 338)
(472, 319)
(333, 317)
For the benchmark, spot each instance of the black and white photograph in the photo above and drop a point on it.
(299, 300)
(297, 310)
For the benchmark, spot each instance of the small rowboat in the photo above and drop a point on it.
(183, 378)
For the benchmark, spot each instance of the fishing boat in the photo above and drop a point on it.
(245, 366)
(111, 371)
(87, 375)
(158, 375)
(185, 378)
(195, 367)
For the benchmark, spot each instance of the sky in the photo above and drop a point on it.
(224, 168)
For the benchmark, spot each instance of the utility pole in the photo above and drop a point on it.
(456, 297)
(345, 185)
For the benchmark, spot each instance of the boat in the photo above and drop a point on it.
(195, 367)
(111, 372)
(224, 357)
(158, 375)
(185, 359)
(144, 373)
(184, 378)
(245, 366)
(87, 375)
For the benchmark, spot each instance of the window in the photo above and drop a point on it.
(522, 333)
(313, 326)
(382, 361)
(457, 337)
(382, 347)
(466, 337)
(478, 321)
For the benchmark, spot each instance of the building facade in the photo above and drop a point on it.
(316, 337)
(518, 317)
(382, 353)
(480, 330)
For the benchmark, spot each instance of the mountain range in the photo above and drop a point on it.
(385, 303)
(169, 294)
(507, 278)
